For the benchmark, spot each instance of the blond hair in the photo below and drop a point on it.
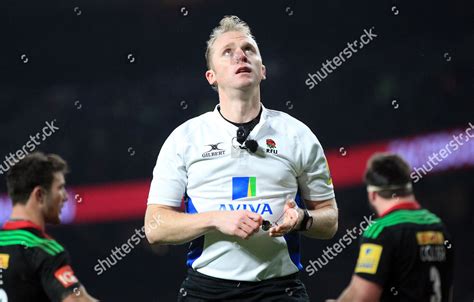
(228, 23)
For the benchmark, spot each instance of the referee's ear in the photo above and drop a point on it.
(211, 77)
(264, 72)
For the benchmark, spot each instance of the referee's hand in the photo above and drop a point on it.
(241, 223)
(292, 217)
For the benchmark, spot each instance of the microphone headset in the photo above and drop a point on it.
(242, 134)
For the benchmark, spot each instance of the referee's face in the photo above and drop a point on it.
(235, 62)
(55, 199)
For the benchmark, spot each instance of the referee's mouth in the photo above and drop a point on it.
(243, 69)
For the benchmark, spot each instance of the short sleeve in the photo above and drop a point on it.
(57, 277)
(314, 179)
(374, 261)
(169, 175)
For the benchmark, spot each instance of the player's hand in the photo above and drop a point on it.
(292, 218)
(241, 223)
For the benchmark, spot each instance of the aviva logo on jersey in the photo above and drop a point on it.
(243, 187)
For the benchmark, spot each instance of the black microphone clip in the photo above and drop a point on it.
(242, 134)
(251, 145)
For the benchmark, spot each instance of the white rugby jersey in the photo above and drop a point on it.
(201, 160)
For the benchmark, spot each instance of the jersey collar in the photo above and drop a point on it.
(231, 128)
(406, 205)
(23, 224)
(20, 224)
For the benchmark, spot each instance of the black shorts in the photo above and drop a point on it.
(200, 287)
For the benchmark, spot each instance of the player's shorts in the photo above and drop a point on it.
(200, 287)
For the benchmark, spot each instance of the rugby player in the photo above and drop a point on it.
(406, 254)
(34, 266)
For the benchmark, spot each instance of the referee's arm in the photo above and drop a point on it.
(169, 225)
(325, 218)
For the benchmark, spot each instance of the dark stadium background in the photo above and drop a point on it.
(119, 76)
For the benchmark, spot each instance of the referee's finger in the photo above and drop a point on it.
(255, 217)
(252, 224)
(246, 228)
(280, 229)
(241, 234)
(283, 229)
(277, 234)
(291, 203)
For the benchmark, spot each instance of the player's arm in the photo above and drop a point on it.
(58, 278)
(79, 295)
(360, 290)
(167, 225)
(372, 270)
(325, 218)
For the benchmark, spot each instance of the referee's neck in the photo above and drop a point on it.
(239, 110)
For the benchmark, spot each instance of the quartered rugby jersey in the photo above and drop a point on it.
(202, 160)
(408, 252)
(33, 266)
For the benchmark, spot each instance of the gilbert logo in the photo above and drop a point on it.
(271, 146)
(214, 150)
(65, 275)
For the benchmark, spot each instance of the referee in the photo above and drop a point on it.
(406, 254)
(33, 266)
(253, 180)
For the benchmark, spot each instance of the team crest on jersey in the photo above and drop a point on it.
(272, 148)
(213, 151)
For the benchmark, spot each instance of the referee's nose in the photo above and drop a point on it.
(239, 56)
